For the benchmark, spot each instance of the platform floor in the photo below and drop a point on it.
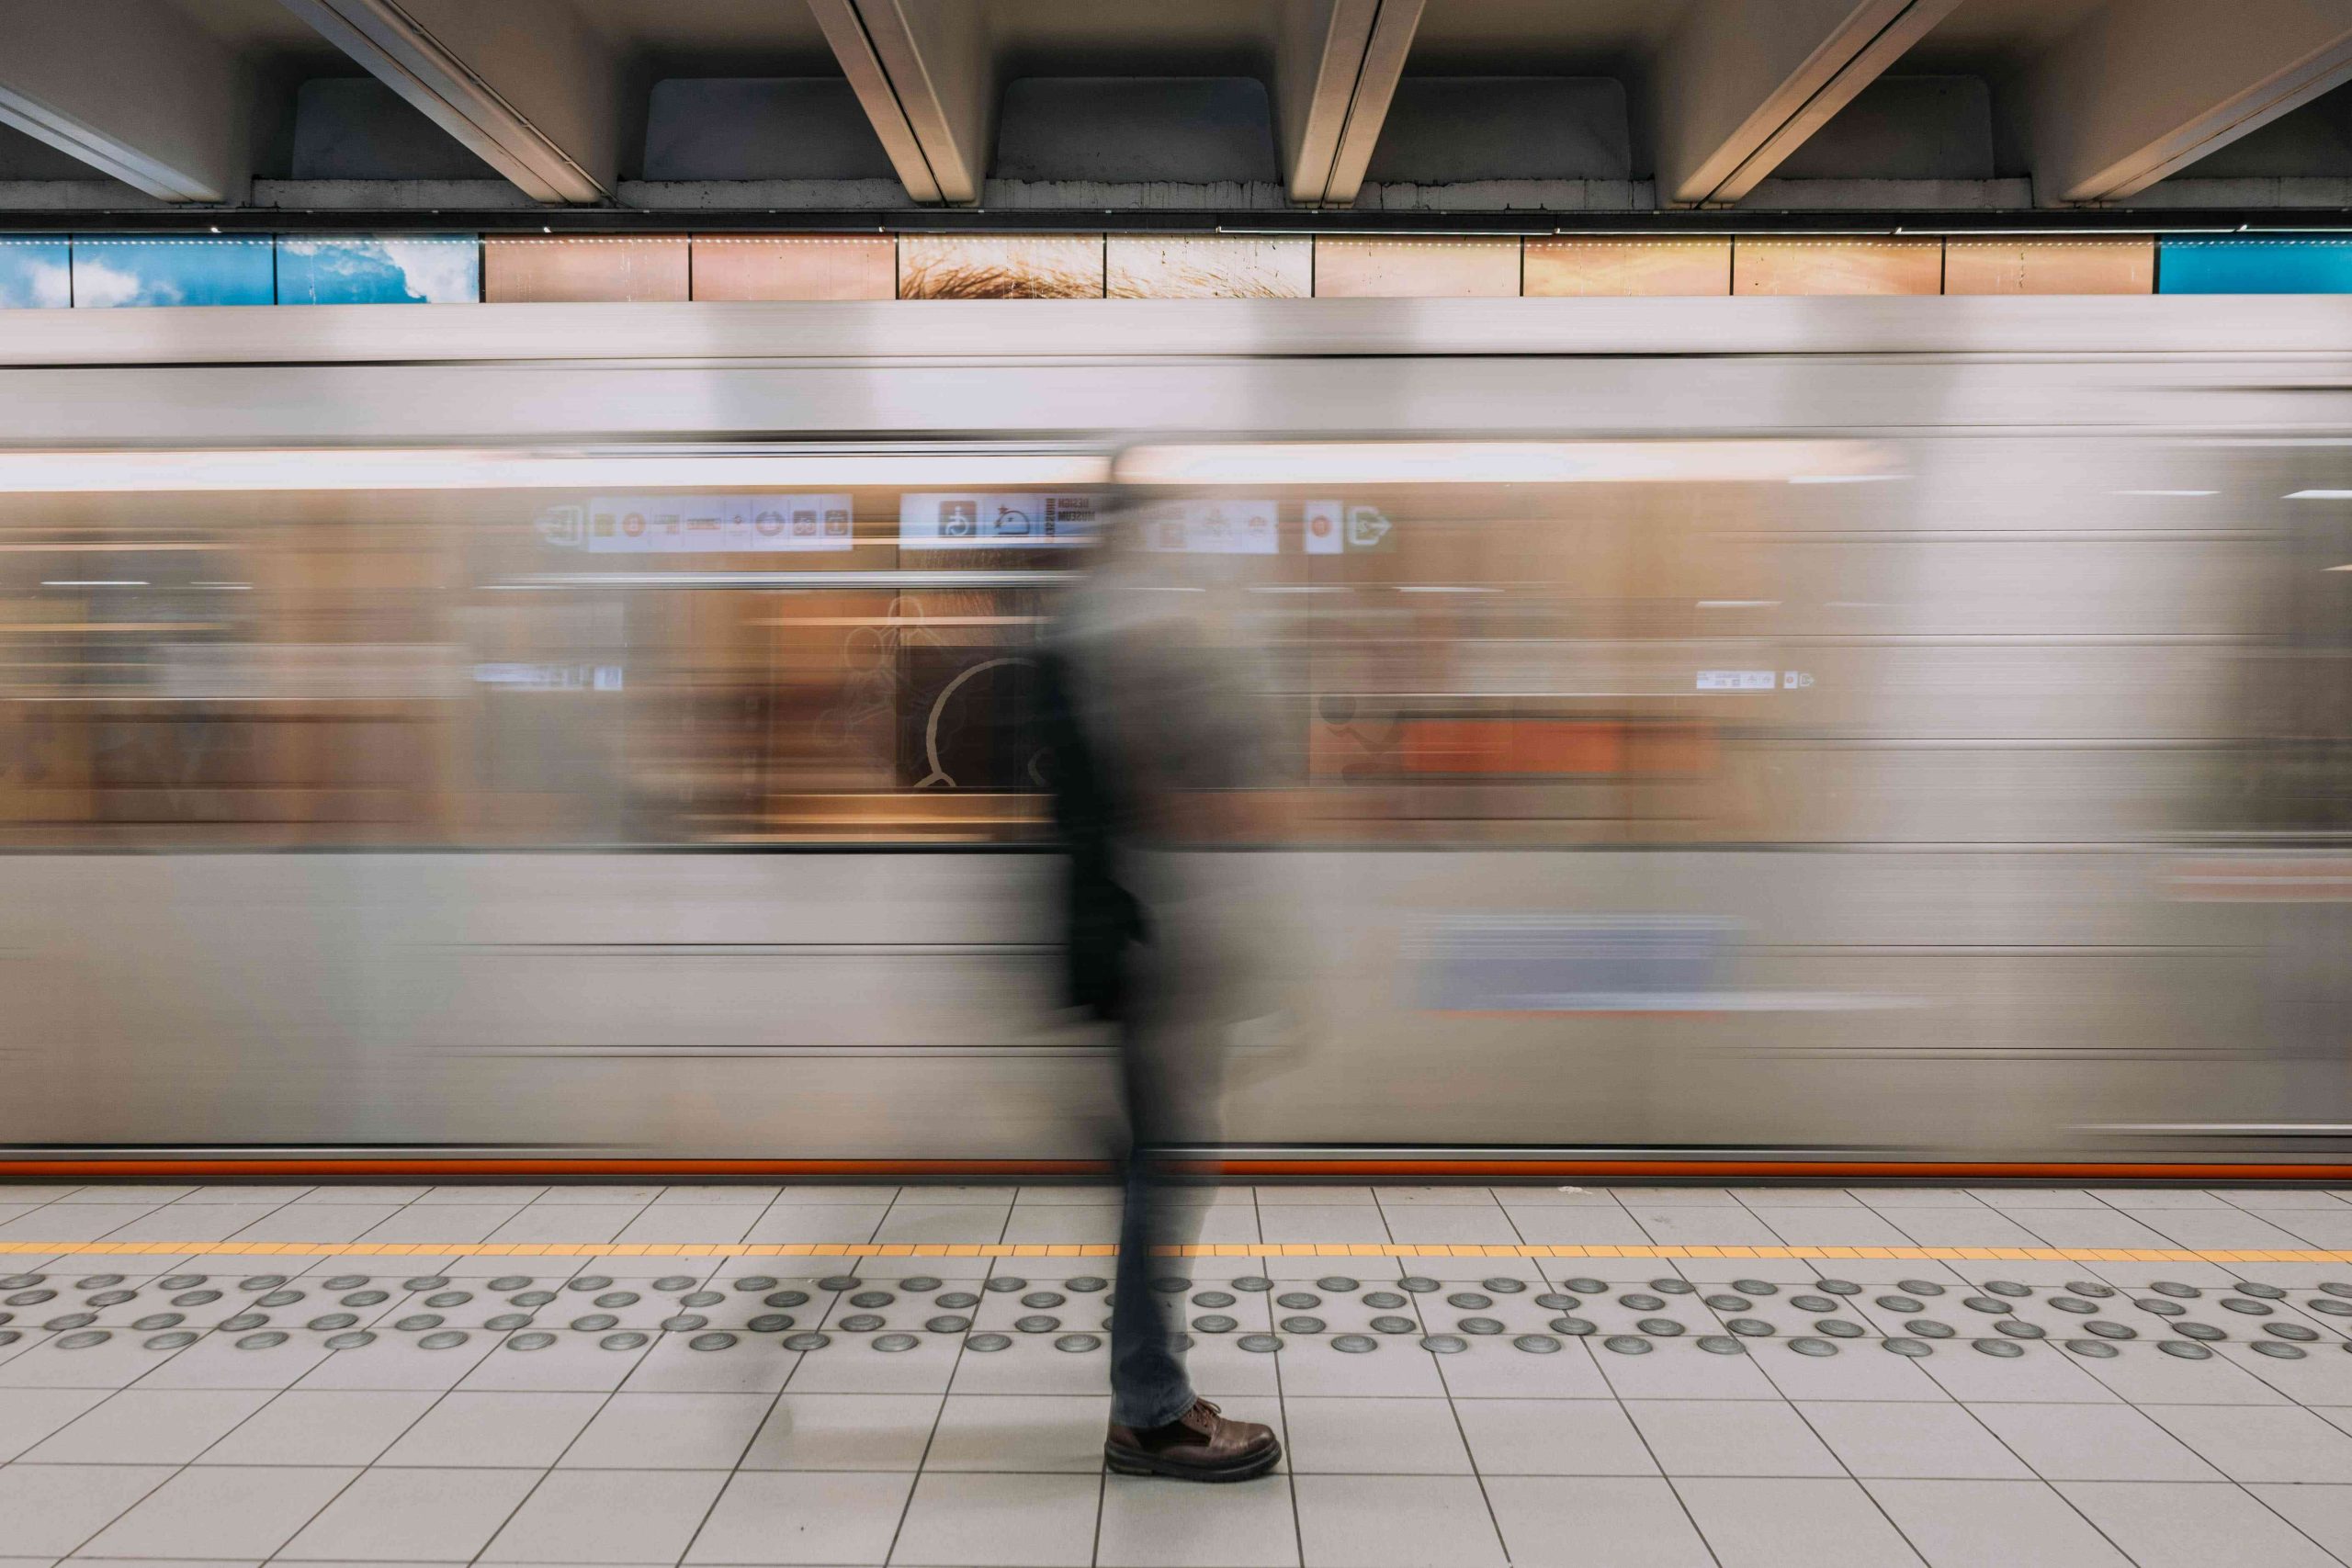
(1630, 1377)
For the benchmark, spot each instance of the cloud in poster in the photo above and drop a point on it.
(378, 272)
(120, 272)
(35, 275)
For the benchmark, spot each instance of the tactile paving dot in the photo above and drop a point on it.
(443, 1340)
(2187, 1350)
(456, 1299)
(1626, 1345)
(777, 1322)
(345, 1282)
(1920, 1287)
(1084, 1285)
(806, 1341)
(2009, 1288)
(1296, 1300)
(71, 1320)
(1209, 1323)
(1075, 1343)
(195, 1298)
(1806, 1345)
(172, 1341)
(24, 1281)
(1838, 1328)
(1635, 1302)
(1720, 1345)
(955, 1300)
(1471, 1301)
(2294, 1331)
(113, 1298)
(2267, 1293)
(1754, 1327)
(1579, 1327)
(668, 1284)
(9, 1336)
(609, 1299)
(1813, 1304)
(2106, 1330)
(2251, 1309)
(532, 1298)
(870, 1299)
(244, 1321)
(850, 1282)
(2281, 1351)
(717, 1341)
(595, 1322)
(2174, 1288)
(328, 1322)
(1839, 1287)
(280, 1298)
(96, 1282)
(1504, 1285)
(509, 1320)
(701, 1299)
(1394, 1326)
(1983, 1304)
(1340, 1284)
(1902, 1304)
(2160, 1307)
(1755, 1287)
(2091, 1287)
(366, 1298)
(890, 1344)
(1389, 1301)
(2004, 1347)
(250, 1282)
(868, 1322)
(505, 1282)
(89, 1336)
(2332, 1308)
(1253, 1283)
(1480, 1325)
(2075, 1304)
(2018, 1328)
(2187, 1330)
(626, 1339)
(936, 1325)
(1421, 1284)
(767, 1282)
(1258, 1344)
(417, 1322)
(1445, 1344)
(1663, 1327)
(684, 1322)
(1912, 1348)
(2332, 1287)
(2098, 1349)
(1729, 1303)
(1302, 1325)
(1044, 1323)
(263, 1340)
(1536, 1343)
(425, 1283)
(536, 1339)
(1355, 1344)
(1213, 1299)
(158, 1320)
(588, 1282)
(981, 1342)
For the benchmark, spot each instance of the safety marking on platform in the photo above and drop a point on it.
(1103, 1250)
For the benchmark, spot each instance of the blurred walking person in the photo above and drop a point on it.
(1148, 727)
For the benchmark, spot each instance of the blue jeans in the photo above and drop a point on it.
(1148, 1383)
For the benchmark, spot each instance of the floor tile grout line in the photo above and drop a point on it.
(947, 1392)
(1618, 1398)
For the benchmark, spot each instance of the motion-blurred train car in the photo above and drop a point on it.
(1821, 734)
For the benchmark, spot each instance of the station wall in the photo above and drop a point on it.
(103, 270)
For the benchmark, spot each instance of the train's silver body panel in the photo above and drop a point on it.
(1999, 905)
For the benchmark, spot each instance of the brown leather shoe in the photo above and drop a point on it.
(1200, 1445)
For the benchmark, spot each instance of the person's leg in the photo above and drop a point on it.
(1148, 1383)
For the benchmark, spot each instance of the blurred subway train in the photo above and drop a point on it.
(1809, 735)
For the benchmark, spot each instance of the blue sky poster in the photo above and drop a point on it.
(434, 269)
(129, 270)
(35, 274)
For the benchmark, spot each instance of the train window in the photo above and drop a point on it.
(1992, 639)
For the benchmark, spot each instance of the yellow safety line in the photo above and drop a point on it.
(1099, 1249)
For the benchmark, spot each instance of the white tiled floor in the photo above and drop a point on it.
(603, 1446)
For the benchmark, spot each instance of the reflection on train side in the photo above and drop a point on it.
(1946, 640)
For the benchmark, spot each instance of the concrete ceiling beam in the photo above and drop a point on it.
(924, 73)
(1741, 83)
(2140, 91)
(1337, 66)
(133, 89)
(525, 85)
